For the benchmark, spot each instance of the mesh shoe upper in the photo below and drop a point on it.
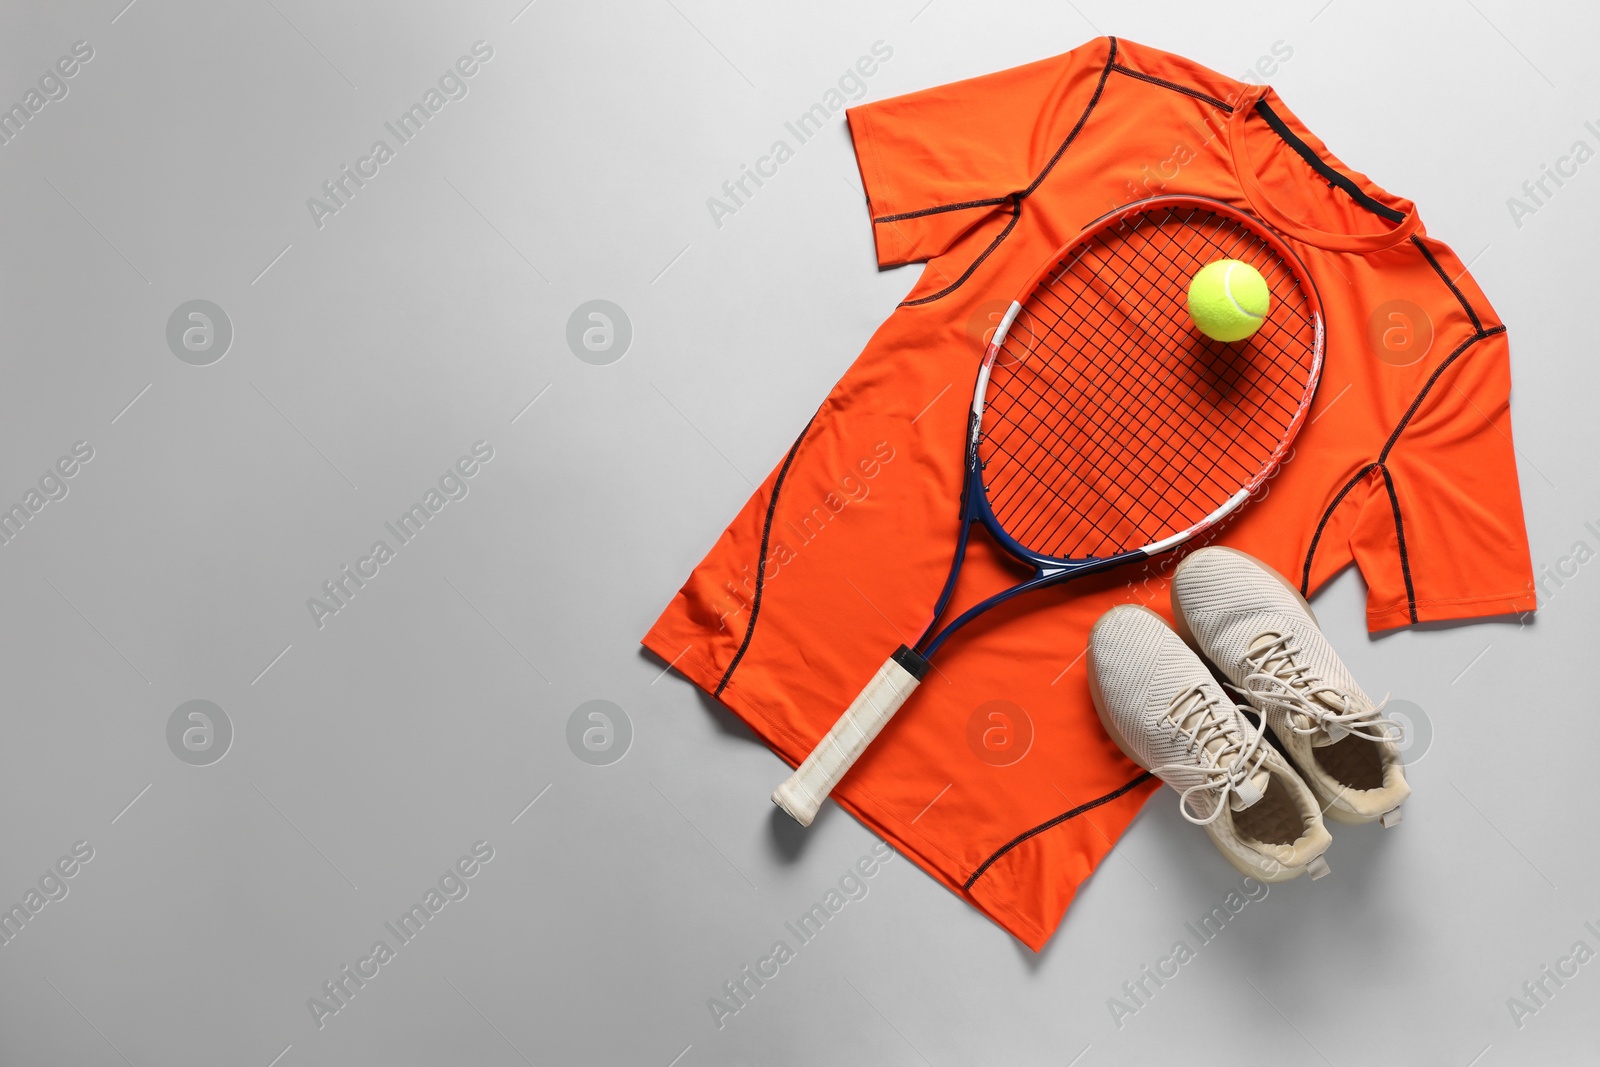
(1165, 704)
(1257, 630)
(1163, 708)
(1229, 604)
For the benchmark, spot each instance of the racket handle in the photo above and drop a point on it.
(838, 751)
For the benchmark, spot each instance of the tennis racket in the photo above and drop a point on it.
(1105, 427)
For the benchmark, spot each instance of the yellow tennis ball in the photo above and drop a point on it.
(1229, 300)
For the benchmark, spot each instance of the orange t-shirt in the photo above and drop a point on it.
(996, 776)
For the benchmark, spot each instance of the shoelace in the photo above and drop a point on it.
(1291, 686)
(1197, 717)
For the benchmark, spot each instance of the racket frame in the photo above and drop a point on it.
(975, 506)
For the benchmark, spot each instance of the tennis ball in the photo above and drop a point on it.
(1229, 300)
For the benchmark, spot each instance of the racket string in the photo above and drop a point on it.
(1109, 422)
(1167, 342)
(1126, 364)
(1060, 402)
(1149, 490)
(1115, 465)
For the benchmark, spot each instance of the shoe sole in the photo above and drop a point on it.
(1284, 874)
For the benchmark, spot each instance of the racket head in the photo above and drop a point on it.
(1105, 426)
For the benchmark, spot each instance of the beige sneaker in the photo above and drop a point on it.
(1161, 706)
(1247, 619)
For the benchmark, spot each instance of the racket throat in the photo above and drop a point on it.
(912, 662)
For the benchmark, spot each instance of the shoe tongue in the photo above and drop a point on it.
(1261, 641)
(1330, 734)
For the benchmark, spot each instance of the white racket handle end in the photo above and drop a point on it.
(838, 751)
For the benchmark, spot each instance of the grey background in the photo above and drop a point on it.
(432, 712)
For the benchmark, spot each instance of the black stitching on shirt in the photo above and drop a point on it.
(1016, 214)
(761, 561)
(1174, 86)
(1400, 535)
(1017, 197)
(1434, 263)
(1305, 575)
(1057, 821)
(990, 202)
(1434, 377)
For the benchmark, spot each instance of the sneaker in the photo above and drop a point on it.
(1164, 710)
(1247, 619)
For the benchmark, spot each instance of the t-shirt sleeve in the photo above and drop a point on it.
(936, 162)
(1440, 532)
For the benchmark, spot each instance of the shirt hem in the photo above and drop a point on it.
(886, 239)
(922, 851)
(1447, 609)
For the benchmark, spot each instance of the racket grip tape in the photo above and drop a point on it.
(839, 749)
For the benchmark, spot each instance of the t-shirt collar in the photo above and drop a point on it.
(1262, 202)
